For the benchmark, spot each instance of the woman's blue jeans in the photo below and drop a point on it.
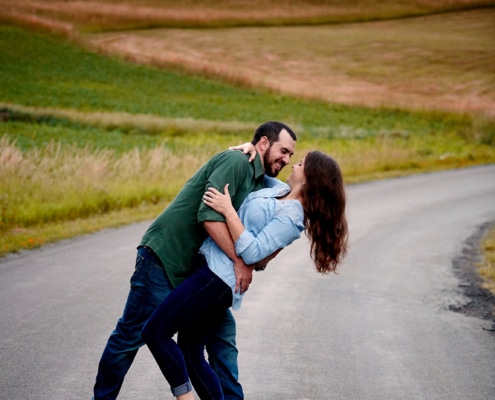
(149, 287)
(194, 310)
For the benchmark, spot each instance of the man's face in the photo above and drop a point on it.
(278, 155)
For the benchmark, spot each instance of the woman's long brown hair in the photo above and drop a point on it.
(324, 203)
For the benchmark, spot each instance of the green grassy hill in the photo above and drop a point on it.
(80, 130)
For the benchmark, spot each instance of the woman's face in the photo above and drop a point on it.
(297, 176)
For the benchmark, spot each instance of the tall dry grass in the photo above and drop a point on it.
(58, 183)
(58, 191)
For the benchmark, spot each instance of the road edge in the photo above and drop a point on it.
(481, 302)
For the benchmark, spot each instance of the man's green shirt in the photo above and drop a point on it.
(177, 234)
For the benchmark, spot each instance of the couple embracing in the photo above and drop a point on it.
(196, 260)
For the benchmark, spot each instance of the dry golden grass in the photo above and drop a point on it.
(89, 181)
(442, 62)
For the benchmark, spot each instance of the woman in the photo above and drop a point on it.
(268, 220)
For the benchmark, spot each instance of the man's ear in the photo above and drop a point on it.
(264, 144)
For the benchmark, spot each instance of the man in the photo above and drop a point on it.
(169, 247)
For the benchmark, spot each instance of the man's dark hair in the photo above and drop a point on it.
(271, 130)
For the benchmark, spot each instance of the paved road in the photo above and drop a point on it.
(381, 329)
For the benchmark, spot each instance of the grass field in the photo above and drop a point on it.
(442, 62)
(384, 93)
(408, 54)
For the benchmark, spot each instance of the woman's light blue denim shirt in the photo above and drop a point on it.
(270, 224)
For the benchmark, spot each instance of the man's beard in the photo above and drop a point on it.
(268, 165)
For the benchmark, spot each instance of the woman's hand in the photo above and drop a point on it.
(221, 203)
(246, 148)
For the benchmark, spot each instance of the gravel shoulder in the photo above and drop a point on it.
(481, 302)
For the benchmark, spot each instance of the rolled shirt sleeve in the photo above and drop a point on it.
(281, 231)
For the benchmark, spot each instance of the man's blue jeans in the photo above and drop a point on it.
(149, 287)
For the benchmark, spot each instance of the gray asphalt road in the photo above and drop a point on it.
(381, 329)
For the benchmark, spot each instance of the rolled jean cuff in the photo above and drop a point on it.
(182, 389)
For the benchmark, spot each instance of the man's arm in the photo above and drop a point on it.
(219, 232)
